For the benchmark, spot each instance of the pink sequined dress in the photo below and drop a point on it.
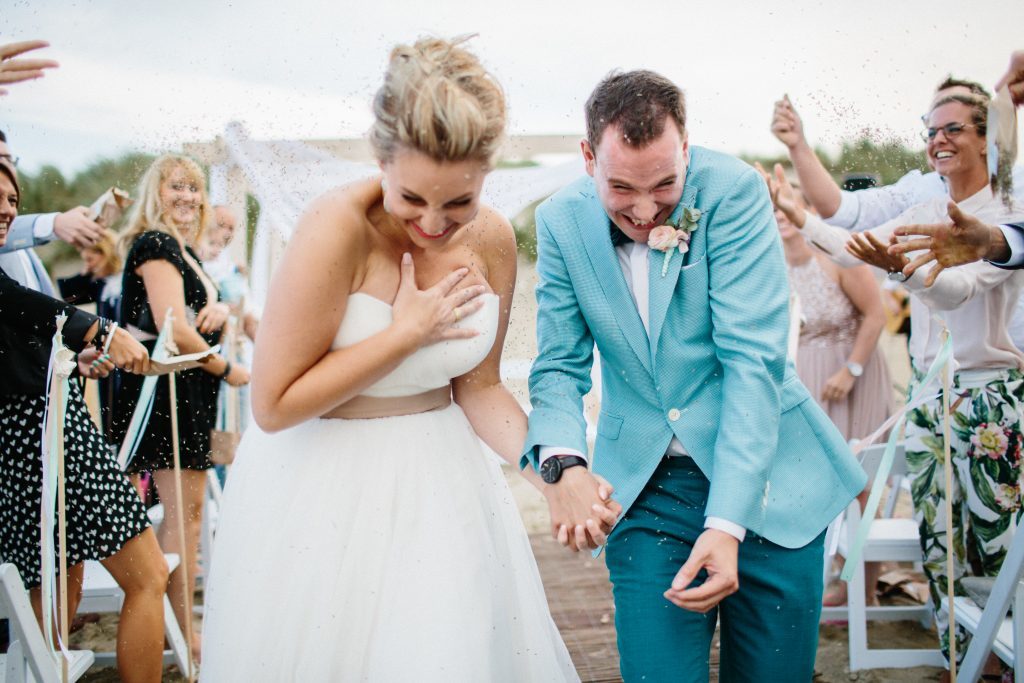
(826, 340)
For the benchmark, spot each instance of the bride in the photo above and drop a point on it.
(364, 533)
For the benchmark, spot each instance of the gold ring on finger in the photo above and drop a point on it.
(458, 316)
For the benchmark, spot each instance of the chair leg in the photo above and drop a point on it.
(858, 622)
(172, 630)
(14, 665)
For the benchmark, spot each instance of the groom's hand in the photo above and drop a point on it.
(582, 511)
(716, 552)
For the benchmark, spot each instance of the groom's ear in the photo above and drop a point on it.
(589, 160)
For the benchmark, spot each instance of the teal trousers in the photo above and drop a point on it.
(769, 628)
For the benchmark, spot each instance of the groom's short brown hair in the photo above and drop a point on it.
(637, 102)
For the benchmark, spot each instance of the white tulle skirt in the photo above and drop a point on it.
(375, 550)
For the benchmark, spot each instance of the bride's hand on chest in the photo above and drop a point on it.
(430, 315)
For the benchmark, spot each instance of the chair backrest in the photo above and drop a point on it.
(871, 458)
(15, 607)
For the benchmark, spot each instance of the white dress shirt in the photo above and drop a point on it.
(634, 259)
(976, 300)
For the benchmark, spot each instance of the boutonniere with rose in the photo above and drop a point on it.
(673, 237)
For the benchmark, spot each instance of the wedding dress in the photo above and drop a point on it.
(385, 549)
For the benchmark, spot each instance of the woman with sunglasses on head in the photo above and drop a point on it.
(975, 302)
(105, 519)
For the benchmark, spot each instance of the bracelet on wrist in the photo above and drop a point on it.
(227, 371)
(102, 331)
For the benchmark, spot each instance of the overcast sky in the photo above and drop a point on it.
(153, 75)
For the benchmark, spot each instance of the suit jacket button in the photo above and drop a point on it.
(673, 415)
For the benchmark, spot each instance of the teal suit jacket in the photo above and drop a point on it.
(713, 371)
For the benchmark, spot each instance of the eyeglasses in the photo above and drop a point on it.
(13, 159)
(951, 130)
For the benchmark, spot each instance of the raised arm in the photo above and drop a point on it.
(815, 180)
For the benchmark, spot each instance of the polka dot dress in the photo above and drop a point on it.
(103, 509)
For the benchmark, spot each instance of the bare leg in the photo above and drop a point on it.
(141, 572)
(193, 484)
(75, 573)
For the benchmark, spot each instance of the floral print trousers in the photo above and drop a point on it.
(986, 450)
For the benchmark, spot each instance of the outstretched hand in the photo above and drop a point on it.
(786, 123)
(870, 250)
(717, 553)
(1014, 78)
(17, 70)
(582, 510)
(783, 195)
(965, 240)
(429, 315)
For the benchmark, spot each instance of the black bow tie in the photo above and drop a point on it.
(618, 237)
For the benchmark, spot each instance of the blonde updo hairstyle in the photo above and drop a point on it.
(147, 212)
(439, 100)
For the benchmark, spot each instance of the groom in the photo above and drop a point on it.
(726, 471)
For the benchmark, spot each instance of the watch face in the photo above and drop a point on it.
(551, 470)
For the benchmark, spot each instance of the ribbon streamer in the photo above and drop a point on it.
(144, 406)
(52, 509)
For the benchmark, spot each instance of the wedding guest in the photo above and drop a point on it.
(105, 519)
(975, 302)
(866, 209)
(363, 483)
(162, 273)
(99, 283)
(964, 238)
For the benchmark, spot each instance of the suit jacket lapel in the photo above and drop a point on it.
(662, 287)
(594, 226)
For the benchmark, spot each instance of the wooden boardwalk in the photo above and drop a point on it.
(580, 598)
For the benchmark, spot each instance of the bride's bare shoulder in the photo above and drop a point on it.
(339, 216)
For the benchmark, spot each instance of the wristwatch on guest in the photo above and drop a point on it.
(856, 369)
(552, 468)
(897, 276)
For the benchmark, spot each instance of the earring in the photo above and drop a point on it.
(384, 184)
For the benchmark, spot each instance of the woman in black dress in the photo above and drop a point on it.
(162, 273)
(105, 520)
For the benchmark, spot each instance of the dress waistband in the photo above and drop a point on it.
(368, 407)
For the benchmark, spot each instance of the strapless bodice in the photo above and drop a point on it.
(429, 367)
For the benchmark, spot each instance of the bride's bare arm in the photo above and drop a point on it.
(296, 374)
(493, 412)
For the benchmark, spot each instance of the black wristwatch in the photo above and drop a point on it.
(552, 468)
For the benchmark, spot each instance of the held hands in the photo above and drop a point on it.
(94, 364)
(786, 124)
(429, 315)
(77, 228)
(582, 510)
(127, 353)
(18, 70)
(783, 195)
(212, 317)
(717, 553)
(965, 240)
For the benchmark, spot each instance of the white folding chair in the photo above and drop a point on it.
(102, 595)
(890, 540)
(993, 631)
(28, 658)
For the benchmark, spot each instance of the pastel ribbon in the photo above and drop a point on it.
(59, 367)
(144, 406)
